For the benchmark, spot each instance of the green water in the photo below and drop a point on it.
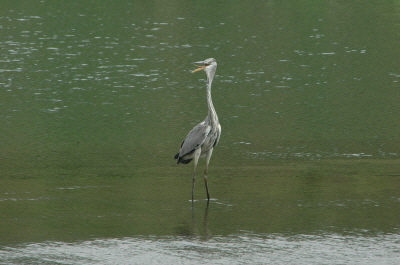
(95, 99)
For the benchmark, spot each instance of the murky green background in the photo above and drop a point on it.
(96, 97)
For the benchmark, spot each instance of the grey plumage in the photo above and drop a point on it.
(201, 136)
(201, 140)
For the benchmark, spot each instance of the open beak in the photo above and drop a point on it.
(201, 66)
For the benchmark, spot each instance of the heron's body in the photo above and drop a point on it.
(204, 136)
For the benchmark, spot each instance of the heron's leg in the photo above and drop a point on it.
(208, 157)
(195, 160)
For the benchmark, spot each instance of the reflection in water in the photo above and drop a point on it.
(184, 229)
(206, 232)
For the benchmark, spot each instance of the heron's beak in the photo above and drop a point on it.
(200, 65)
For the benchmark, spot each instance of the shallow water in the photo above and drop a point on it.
(96, 99)
(291, 220)
(235, 249)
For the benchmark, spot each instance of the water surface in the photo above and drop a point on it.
(96, 99)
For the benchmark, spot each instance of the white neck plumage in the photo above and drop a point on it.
(212, 115)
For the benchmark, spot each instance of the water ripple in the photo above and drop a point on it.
(236, 249)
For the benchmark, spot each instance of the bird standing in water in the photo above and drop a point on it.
(204, 136)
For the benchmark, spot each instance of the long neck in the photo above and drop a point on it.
(212, 115)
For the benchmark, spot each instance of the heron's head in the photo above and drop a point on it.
(206, 65)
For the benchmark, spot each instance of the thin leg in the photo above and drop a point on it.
(193, 182)
(195, 160)
(206, 182)
(208, 157)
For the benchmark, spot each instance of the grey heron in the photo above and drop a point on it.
(201, 140)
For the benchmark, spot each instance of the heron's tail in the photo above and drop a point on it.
(181, 160)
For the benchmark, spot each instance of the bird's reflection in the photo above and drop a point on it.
(206, 234)
(192, 230)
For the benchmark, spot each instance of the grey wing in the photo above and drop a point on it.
(195, 138)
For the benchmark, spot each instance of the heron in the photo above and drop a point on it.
(201, 140)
